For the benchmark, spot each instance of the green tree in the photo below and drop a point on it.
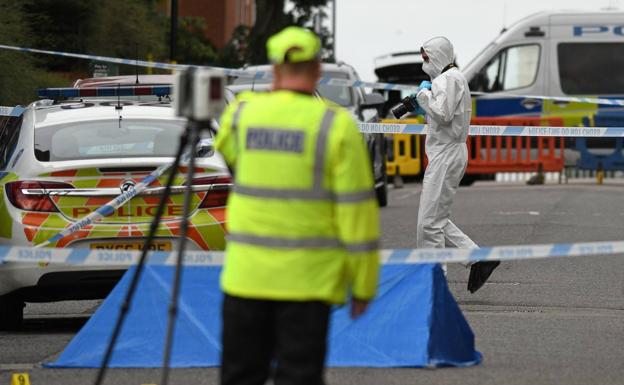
(122, 26)
(271, 17)
(193, 47)
(117, 28)
(58, 26)
(234, 53)
(304, 13)
(19, 77)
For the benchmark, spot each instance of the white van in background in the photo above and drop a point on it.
(564, 53)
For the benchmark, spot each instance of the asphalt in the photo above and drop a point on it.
(558, 321)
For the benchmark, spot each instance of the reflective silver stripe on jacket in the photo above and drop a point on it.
(236, 116)
(312, 243)
(321, 149)
(288, 243)
(354, 196)
(259, 192)
(235, 120)
(362, 247)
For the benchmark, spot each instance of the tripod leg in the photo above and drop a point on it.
(125, 307)
(175, 290)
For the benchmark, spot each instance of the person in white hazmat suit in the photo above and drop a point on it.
(448, 107)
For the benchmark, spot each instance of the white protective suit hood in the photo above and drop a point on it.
(440, 52)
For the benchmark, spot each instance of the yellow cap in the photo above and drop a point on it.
(302, 43)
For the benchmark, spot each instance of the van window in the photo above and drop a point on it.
(591, 68)
(513, 67)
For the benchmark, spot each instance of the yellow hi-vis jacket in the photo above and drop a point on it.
(302, 218)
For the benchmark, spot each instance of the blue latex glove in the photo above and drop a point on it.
(418, 110)
(425, 84)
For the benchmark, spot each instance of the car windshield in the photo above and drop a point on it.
(250, 80)
(339, 95)
(107, 139)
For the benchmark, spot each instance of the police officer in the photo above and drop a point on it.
(303, 221)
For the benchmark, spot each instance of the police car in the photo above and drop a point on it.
(63, 157)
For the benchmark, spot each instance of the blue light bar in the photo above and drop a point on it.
(66, 93)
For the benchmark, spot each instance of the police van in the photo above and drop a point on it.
(554, 54)
(564, 53)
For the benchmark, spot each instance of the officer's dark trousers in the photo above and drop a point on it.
(283, 339)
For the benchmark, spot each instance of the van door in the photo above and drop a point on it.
(518, 67)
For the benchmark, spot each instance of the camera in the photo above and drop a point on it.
(406, 105)
(198, 94)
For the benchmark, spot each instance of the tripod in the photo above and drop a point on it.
(189, 138)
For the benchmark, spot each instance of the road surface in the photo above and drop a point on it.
(558, 321)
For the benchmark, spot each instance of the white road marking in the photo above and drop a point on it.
(534, 213)
(409, 194)
(408, 191)
(17, 366)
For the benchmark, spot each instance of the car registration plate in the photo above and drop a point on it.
(155, 246)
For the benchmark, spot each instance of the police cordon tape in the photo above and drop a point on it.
(267, 75)
(484, 130)
(257, 75)
(96, 258)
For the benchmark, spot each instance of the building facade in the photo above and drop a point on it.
(221, 16)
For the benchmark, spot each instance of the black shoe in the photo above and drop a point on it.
(479, 274)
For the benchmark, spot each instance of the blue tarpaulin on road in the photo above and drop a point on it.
(413, 322)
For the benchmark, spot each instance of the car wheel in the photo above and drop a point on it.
(382, 195)
(382, 191)
(11, 312)
(468, 180)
